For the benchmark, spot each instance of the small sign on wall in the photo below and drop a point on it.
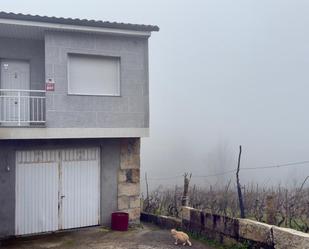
(50, 85)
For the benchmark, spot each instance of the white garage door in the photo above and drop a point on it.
(57, 189)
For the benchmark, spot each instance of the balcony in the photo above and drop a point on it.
(22, 107)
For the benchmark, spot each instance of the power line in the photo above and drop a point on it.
(218, 174)
(278, 165)
(299, 163)
(166, 178)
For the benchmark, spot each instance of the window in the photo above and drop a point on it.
(93, 75)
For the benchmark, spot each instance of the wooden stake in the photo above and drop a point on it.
(185, 199)
(241, 203)
(147, 192)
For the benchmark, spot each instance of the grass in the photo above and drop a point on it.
(104, 229)
(68, 243)
(213, 243)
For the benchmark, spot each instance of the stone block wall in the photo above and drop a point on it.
(233, 230)
(162, 221)
(129, 178)
(228, 230)
(285, 238)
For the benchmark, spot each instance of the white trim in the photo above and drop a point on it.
(88, 94)
(21, 90)
(80, 28)
(54, 133)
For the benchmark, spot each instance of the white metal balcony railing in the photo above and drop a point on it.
(22, 107)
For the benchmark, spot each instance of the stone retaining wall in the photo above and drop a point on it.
(162, 221)
(129, 178)
(233, 230)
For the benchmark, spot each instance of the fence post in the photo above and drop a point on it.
(240, 198)
(185, 197)
(270, 210)
(19, 123)
(147, 194)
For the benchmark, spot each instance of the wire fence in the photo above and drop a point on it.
(298, 163)
(290, 206)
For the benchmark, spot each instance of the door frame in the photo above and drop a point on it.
(58, 161)
(60, 184)
(28, 87)
(28, 61)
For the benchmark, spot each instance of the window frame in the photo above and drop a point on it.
(118, 94)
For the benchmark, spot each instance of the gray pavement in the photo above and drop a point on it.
(144, 237)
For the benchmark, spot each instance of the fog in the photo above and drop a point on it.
(222, 74)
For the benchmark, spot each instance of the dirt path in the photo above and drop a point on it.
(146, 237)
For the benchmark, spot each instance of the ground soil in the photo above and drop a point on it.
(142, 237)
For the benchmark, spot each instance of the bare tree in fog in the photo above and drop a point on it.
(219, 159)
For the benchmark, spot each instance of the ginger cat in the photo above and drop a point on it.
(180, 236)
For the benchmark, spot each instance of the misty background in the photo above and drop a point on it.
(222, 73)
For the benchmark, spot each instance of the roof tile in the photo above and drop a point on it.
(77, 21)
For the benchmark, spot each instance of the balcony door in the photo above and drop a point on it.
(15, 86)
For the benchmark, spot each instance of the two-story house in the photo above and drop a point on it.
(74, 103)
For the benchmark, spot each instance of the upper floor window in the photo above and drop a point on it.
(93, 75)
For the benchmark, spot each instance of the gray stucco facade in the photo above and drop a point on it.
(126, 115)
(113, 125)
(131, 109)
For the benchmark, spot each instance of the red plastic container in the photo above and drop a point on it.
(120, 221)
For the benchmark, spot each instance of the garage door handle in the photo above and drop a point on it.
(62, 196)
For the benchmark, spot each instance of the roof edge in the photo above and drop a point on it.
(78, 22)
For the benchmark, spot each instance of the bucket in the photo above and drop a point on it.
(120, 221)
